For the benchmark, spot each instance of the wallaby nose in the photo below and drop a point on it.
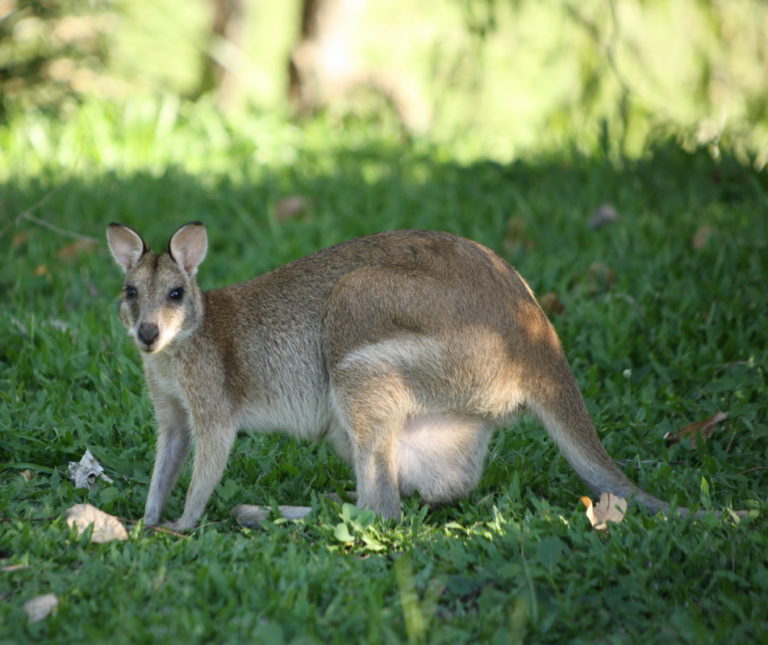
(148, 333)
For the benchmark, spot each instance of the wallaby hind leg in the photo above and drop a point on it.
(376, 475)
(375, 428)
(373, 405)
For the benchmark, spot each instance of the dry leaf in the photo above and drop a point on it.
(704, 427)
(106, 527)
(610, 508)
(551, 304)
(604, 215)
(291, 206)
(76, 248)
(26, 475)
(702, 235)
(516, 240)
(18, 239)
(39, 607)
(599, 277)
(14, 567)
(86, 471)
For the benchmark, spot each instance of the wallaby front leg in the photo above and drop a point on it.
(212, 447)
(171, 452)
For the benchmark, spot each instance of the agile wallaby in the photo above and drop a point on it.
(404, 349)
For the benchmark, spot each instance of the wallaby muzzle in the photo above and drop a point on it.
(148, 333)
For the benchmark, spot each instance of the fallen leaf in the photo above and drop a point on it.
(599, 277)
(517, 239)
(106, 527)
(15, 567)
(39, 607)
(551, 304)
(702, 235)
(41, 270)
(26, 475)
(610, 508)
(705, 428)
(18, 239)
(76, 248)
(291, 206)
(86, 471)
(603, 216)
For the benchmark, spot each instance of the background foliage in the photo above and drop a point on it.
(493, 77)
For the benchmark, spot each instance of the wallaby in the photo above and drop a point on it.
(404, 349)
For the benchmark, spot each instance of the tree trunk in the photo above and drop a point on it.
(324, 68)
(220, 58)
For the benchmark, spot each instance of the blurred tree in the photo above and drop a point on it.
(50, 49)
(324, 65)
(221, 53)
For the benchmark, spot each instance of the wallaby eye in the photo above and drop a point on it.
(176, 294)
(130, 292)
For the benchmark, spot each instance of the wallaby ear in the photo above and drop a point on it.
(188, 246)
(126, 245)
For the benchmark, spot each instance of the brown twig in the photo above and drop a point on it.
(165, 529)
(753, 470)
(630, 462)
(56, 229)
(28, 214)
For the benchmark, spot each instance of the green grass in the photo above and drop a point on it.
(677, 334)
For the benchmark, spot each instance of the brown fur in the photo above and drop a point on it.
(404, 349)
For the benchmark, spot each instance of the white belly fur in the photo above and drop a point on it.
(441, 456)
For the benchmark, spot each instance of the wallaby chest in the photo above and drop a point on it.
(163, 374)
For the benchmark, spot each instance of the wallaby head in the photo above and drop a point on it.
(161, 301)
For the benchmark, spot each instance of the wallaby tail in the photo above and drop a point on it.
(569, 425)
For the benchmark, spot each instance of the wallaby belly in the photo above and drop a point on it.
(441, 455)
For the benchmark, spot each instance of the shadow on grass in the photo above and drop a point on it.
(377, 187)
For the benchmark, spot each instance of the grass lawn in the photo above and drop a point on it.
(664, 323)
